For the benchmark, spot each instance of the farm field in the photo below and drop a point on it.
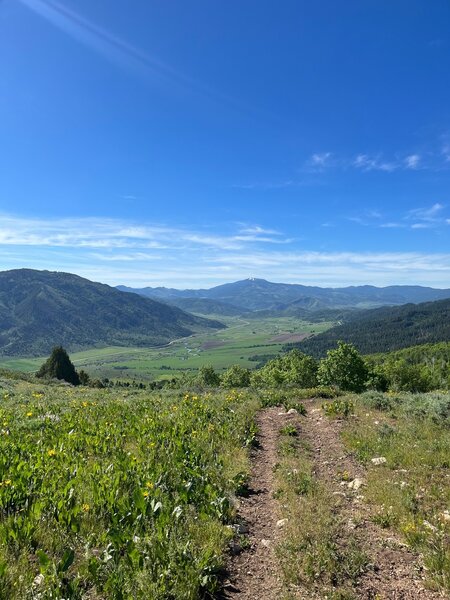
(242, 340)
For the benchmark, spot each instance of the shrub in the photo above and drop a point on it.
(207, 377)
(294, 368)
(377, 400)
(403, 376)
(344, 367)
(235, 377)
(339, 408)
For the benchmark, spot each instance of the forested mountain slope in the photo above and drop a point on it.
(40, 309)
(386, 329)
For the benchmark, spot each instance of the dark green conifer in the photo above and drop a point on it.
(59, 366)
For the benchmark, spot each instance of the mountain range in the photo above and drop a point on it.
(41, 309)
(291, 299)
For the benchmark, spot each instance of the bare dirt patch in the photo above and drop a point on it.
(284, 338)
(209, 345)
(397, 572)
(253, 573)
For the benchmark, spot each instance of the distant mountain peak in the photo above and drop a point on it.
(255, 293)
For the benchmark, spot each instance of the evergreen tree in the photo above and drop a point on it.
(59, 366)
(84, 377)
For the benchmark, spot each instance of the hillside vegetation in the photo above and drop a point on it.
(117, 494)
(386, 329)
(113, 493)
(41, 309)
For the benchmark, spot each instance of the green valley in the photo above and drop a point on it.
(244, 342)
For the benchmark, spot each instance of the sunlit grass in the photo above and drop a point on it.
(411, 490)
(118, 495)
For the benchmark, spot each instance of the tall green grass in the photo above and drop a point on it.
(117, 495)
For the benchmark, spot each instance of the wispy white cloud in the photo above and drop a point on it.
(365, 162)
(130, 257)
(421, 226)
(430, 217)
(435, 160)
(392, 225)
(427, 218)
(118, 234)
(257, 230)
(120, 252)
(427, 213)
(412, 161)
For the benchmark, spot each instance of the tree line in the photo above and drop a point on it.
(343, 368)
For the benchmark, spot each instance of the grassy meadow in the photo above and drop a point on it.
(117, 495)
(127, 494)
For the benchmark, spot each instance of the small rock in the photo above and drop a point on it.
(292, 411)
(265, 543)
(241, 528)
(379, 460)
(355, 484)
(281, 523)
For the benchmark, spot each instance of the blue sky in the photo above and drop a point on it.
(193, 143)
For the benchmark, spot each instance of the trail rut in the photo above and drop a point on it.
(395, 572)
(253, 573)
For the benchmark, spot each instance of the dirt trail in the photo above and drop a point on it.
(253, 573)
(397, 573)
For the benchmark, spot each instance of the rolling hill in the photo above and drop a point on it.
(386, 329)
(259, 294)
(41, 309)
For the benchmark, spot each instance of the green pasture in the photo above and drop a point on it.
(242, 340)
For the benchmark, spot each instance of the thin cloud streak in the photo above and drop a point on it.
(110, 233)
(121, 53)
(119, 252)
